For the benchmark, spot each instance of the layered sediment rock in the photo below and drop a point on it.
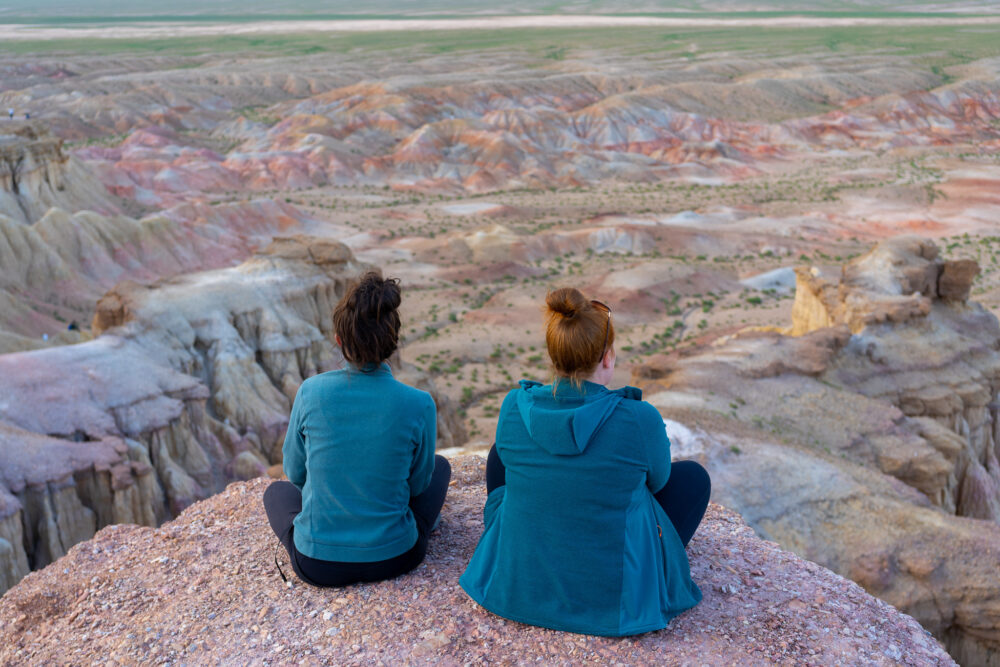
(937, 567)
(867, 440)
(64, 239)
(36, 174)
(584, 128)
(59, 265)
(191, 378)
(919, 346)
(494, 125)
(218, 598)
(60, 491)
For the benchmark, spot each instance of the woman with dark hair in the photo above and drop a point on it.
(585, 521)
(365, 488)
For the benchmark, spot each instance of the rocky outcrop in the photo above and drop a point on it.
(111, 390)
(250, 334)
(67, 261)
(36, 174)
(866, 442)
(919, 346)
(866, 526)
(191, 378)
(216, 597)
(899, 281)
(59, 491)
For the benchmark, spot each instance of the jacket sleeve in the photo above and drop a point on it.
(293, 452)
(423, 457)
(654, 437)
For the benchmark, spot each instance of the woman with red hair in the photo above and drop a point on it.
(586, 521)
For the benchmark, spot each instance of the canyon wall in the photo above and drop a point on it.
(65, 239)
(918, 345)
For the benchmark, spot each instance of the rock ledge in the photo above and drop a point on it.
(203, 588)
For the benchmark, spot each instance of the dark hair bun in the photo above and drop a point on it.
(377, 296)
(566, 301)
(367, 319)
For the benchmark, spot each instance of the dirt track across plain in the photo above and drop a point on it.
(160, 29)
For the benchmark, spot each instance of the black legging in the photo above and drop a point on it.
(283, 502)
(684, 497)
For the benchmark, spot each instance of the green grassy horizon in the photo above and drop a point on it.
(941, 46)
(252, 17)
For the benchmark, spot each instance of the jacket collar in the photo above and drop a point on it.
(369, 369)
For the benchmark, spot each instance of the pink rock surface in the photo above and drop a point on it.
(489, 130)
(203, 588)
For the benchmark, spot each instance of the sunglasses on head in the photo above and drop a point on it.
(600, 305)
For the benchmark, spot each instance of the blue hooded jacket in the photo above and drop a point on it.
(575, 540)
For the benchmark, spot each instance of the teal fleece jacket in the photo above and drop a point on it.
(575, 539)
(359, 445)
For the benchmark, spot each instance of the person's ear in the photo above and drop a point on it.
(609, 357)
(336, 337)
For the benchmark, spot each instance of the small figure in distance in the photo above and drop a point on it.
(10, 113)
(27, 115)
(586, 520)
(365, 488)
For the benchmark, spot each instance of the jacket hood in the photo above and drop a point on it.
(565, 423)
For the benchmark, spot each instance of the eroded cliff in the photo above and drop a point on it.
(36, 174)
(866, 441)
(65, 239)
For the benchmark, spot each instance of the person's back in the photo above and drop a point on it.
(365, 487)
(374, 430)
(575, 537)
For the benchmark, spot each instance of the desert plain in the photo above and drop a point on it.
(794, 219)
